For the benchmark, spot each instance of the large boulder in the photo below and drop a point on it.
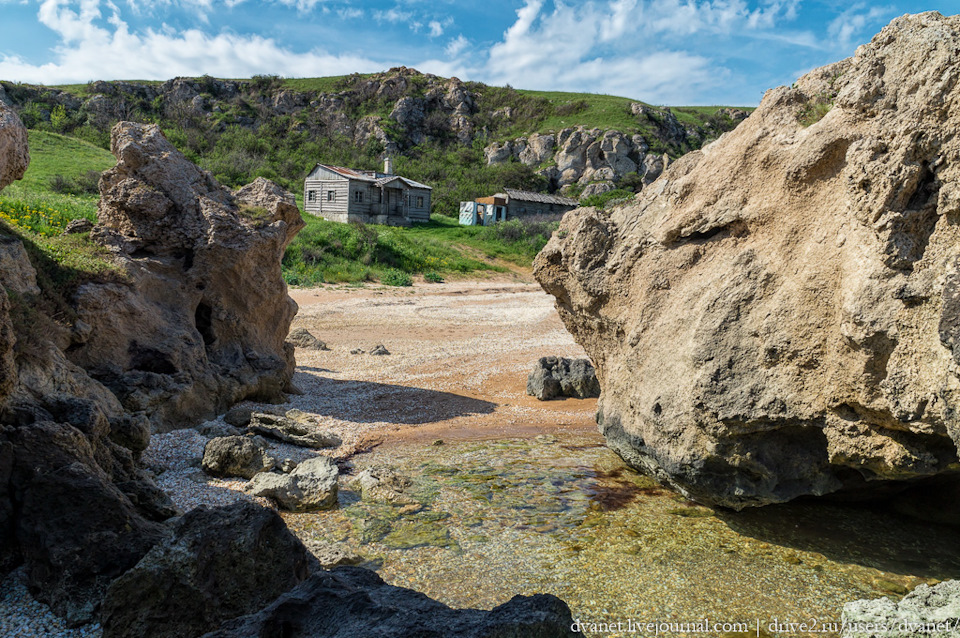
(75, 528)
(289, 430)
(14, 151)
(218, 563)
(311, 486)
(203, 323)
(351, 601)
(779, 314)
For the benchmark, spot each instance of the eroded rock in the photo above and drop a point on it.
(14, 150)
(312, 485)
(778, 314)
(302, 338)
(924, 611)
(185, 340)
(561, 377)
(289, 430)
(217, 564)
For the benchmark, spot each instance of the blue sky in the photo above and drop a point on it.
(660, 51)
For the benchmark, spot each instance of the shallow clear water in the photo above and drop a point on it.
(487, 520)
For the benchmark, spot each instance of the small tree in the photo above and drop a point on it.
(58, 118)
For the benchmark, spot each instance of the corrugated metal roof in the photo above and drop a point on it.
(540, 198)
(378, 179)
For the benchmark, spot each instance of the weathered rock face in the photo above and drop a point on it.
(14, 152)
(924, 611)
(779, 314)
(218, 564)
(236, 456)
(351, 601)
(203, 325)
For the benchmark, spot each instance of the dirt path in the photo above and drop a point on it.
(459, 357)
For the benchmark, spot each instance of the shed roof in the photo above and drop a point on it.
(540, 198)
(373, 177)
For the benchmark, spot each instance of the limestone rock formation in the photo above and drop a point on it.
(236, 456)
(218, 563)
(350, 601)
(202, 326)
(778, 314)
(14, 151)
(925, 611)
(311, 486)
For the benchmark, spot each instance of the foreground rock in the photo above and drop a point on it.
(289, 430)
(350, 601)
(14, 151)
(184, 341)
(311, 486)
(926, 611)
(218, 564)
(241, 456)
(779, 314)
(561, 377)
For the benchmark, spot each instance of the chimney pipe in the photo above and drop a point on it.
(388, 166)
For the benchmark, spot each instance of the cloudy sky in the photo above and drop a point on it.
(660, 51)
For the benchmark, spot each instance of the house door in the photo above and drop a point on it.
(394, 202)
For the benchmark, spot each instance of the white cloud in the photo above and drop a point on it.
(393, 15)
(850, 24)
(437, 27)
(350, 13)
(456, 46)
(91, 52)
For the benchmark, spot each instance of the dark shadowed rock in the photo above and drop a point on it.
(217, 564)
(76, 530)
(238, 416)
(202, 324)
(379, 350)
(562, 377)
(311, 485)
(77, 226)
(236, 456)
(289, 430)
(348, 602)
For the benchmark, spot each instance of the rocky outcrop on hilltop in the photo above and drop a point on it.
(14, 153)
(777, 315)
(203, 324)
(598, 160)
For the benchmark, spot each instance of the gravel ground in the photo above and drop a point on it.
(460, 353)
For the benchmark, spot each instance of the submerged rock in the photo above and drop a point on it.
(778, 315)
(351, 601)
(562, 377)
(218, 563)
(926, 611)
(312, 485)
(236, 456)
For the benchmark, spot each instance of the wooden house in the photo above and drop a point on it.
(347, 195)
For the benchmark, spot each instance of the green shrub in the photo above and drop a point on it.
(394, 277)
(433, 277)
(600, 200)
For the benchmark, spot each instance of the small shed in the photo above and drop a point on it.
(529, 204)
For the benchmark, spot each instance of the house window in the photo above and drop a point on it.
(311, 196)
(419, 202)
(358, 197)
(331, 196)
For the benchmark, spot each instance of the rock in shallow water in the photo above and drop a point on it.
(312, 485)
(926, 611)
(779, 314)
